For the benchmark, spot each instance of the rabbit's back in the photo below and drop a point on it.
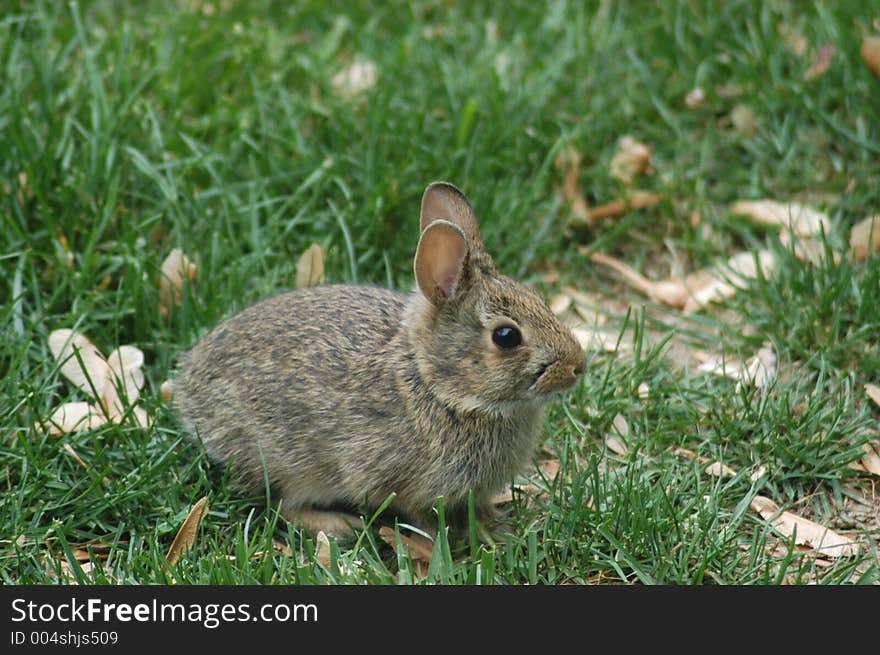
(295, 385)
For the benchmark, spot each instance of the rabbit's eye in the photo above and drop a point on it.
(506, 337)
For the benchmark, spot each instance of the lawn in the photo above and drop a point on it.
(242, 133)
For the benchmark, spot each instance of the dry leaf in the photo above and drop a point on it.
(793, 38)
(559, 304)
(506, 496)
(283, 548)
(807, 249)
(744, 121)
(757, 371)
(121, 372)
(821, 63)
(76, 417)
(637, 199)
(415, 545)
(75, 455)
(186, 535)
(644, 390)
(806, 532)
(871, 458)
(864, 238)
(731, 277)
(126, 377)
(616, 445)
(358, 78)
(699, 288)
(729, 90)
(568, 163)
(873, 392)
(549, 468)
(802, 220)
(94, 371)
(758, 473)
(175, 269)
(668, 292)
(322, 549)
(695, 98)
(166, 391)
(716, 469)
(870, 52)
(310, 267)
(760, 369)
(632, 158)
(598, 340)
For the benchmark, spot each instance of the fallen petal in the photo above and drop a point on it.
(91, 375)
(175, 269)
(805, 532)
(864, 238)
(76, 417)
(802, 220)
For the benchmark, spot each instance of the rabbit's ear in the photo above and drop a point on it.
(440, 261)
(442, 201)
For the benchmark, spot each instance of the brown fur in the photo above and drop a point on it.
(344, 394)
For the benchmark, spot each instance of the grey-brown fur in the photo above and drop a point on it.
(344, 394)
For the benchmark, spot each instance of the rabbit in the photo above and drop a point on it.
(340, 395)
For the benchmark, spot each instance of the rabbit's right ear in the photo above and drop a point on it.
(443, 201)
(440, 260)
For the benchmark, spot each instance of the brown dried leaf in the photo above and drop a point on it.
(821, 63)
(744, 121)
(283, 548)
(76, 417)
(864, 238)
(559, 304)
(94, 370)
(568, 163)
(713, 468)
(358, 78)
(175, 269)
(186, 535)
(760, 369)
(668, 292)
(873, 392)
(695, 98)
(415, 545)
(166, 391)
(506, 496)
(871, 458)
(632, 158)
(75, 455)
(802, 220)
(807, 249)
(616, 445)
(793, 38)
(549, 468)
(729, 278)
(638, 199)
(597, 340)
(322, 549)
(870, 52)
(806, 532)
(126, 376)
(310, 267)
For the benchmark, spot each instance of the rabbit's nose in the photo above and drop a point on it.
(578, 369)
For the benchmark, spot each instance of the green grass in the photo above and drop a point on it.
(128, 129)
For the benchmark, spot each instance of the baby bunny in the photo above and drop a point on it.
(341, 395)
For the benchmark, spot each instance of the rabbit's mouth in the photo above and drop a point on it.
(555, 377)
